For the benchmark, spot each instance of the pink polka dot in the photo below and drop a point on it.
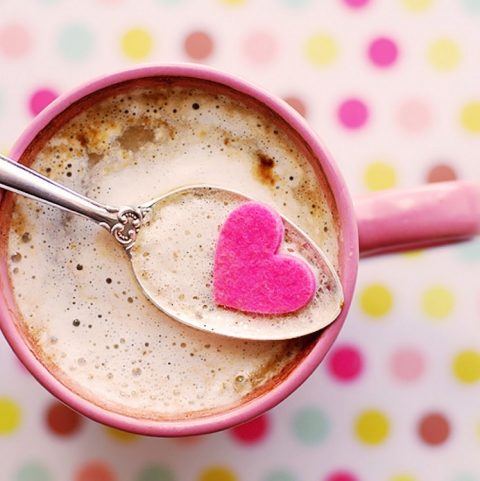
(15, 40)
(341, 476)
(434, 428)
(414, 116)
(345, 363)
(356, 3)
(353, 113)
(260, 47)
(407, 364)
(298, 104)
(441, 173)
(252, 432)
(95, 471)
(383, 52)
(198, 45)
(40, 99)
(61, 420)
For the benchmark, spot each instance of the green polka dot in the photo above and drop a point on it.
(295, 3)
(472, 5)
(33, 472)
(279, 476)
(75, 42)
(465, 477)
(310, 425)
(156, 473)
(469, 251)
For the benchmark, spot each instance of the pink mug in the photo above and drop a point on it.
(386, 222)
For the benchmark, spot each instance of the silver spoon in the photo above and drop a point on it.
(139, 229)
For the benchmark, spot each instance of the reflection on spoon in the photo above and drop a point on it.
(171, 242)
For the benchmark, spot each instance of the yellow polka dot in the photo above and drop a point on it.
(466, 367)
(233, 2)
(403, 477)
(372, 427)
(417, 5)
(137, 43)
(321, 50)
(444, 54)
(10, 416)
(376, 300)
(121, 436)
(379, 176)
(217, 473)
(470, 117)
(4, 151)
(413, 254)
(438, 302)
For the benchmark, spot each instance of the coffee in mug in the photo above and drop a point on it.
(78, 304)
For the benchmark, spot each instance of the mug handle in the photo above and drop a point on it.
(430, 215)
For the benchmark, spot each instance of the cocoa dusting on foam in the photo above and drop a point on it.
(264, 169)
(92, 325)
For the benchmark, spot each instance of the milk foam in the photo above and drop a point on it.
(173, 260)
(84, 314)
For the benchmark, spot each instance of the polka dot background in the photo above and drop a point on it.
(393, 90)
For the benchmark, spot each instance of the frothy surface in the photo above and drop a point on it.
(84, 315)
(173, 260)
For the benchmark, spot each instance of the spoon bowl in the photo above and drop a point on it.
(181, 230)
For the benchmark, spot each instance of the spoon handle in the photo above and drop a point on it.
(123, 223)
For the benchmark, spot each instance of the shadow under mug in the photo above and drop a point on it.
(386, 222)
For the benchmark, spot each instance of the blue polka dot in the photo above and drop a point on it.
(472, 5)
(310, 425)
(470, 250)
(279, 476)
(75, 42)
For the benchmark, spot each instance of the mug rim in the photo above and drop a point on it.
(349, 257)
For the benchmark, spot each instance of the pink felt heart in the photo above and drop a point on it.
(249, 274)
